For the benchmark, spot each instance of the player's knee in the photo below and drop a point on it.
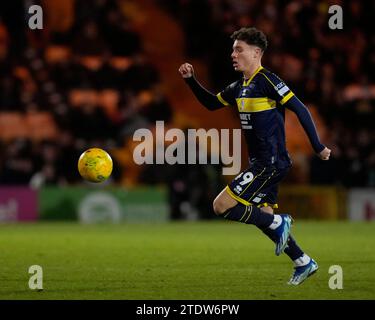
(219, 206)
(223, 202)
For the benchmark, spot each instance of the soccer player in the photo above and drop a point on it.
(261, 98)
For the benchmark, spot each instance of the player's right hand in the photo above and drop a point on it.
(186, 70)
(324, 155)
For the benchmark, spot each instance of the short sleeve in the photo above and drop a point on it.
(228, 95)
(275, 88)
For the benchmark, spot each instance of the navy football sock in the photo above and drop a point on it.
(292, 250)
(249, 215)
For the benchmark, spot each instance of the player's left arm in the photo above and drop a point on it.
(279, 91)
(305, 118)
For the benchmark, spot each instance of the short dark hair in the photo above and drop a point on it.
(251, 36)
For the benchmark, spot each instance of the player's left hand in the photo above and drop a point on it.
(324, 155)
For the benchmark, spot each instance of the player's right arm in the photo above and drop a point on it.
(205, 97)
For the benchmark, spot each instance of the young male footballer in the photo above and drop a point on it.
(261, 98)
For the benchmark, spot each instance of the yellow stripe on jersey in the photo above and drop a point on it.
(247, 82)
(221, 99)
(255, 104)
(286, 98)
(229, 191)
(267, 79)
(247, 203)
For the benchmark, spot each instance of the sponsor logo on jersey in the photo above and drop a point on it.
(281, 88)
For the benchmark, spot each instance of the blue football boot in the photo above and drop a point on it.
(300, 274)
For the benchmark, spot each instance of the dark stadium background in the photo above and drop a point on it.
(100, 69)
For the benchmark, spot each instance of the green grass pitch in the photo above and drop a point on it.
(195, 260)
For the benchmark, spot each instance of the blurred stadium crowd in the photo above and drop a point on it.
(84, 80)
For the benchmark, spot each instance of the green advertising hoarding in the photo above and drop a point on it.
(90, 205)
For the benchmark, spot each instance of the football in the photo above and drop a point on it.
(95, 165)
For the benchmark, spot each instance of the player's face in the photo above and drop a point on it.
(244, 55)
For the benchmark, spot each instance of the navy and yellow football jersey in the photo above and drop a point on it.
(261, 101)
